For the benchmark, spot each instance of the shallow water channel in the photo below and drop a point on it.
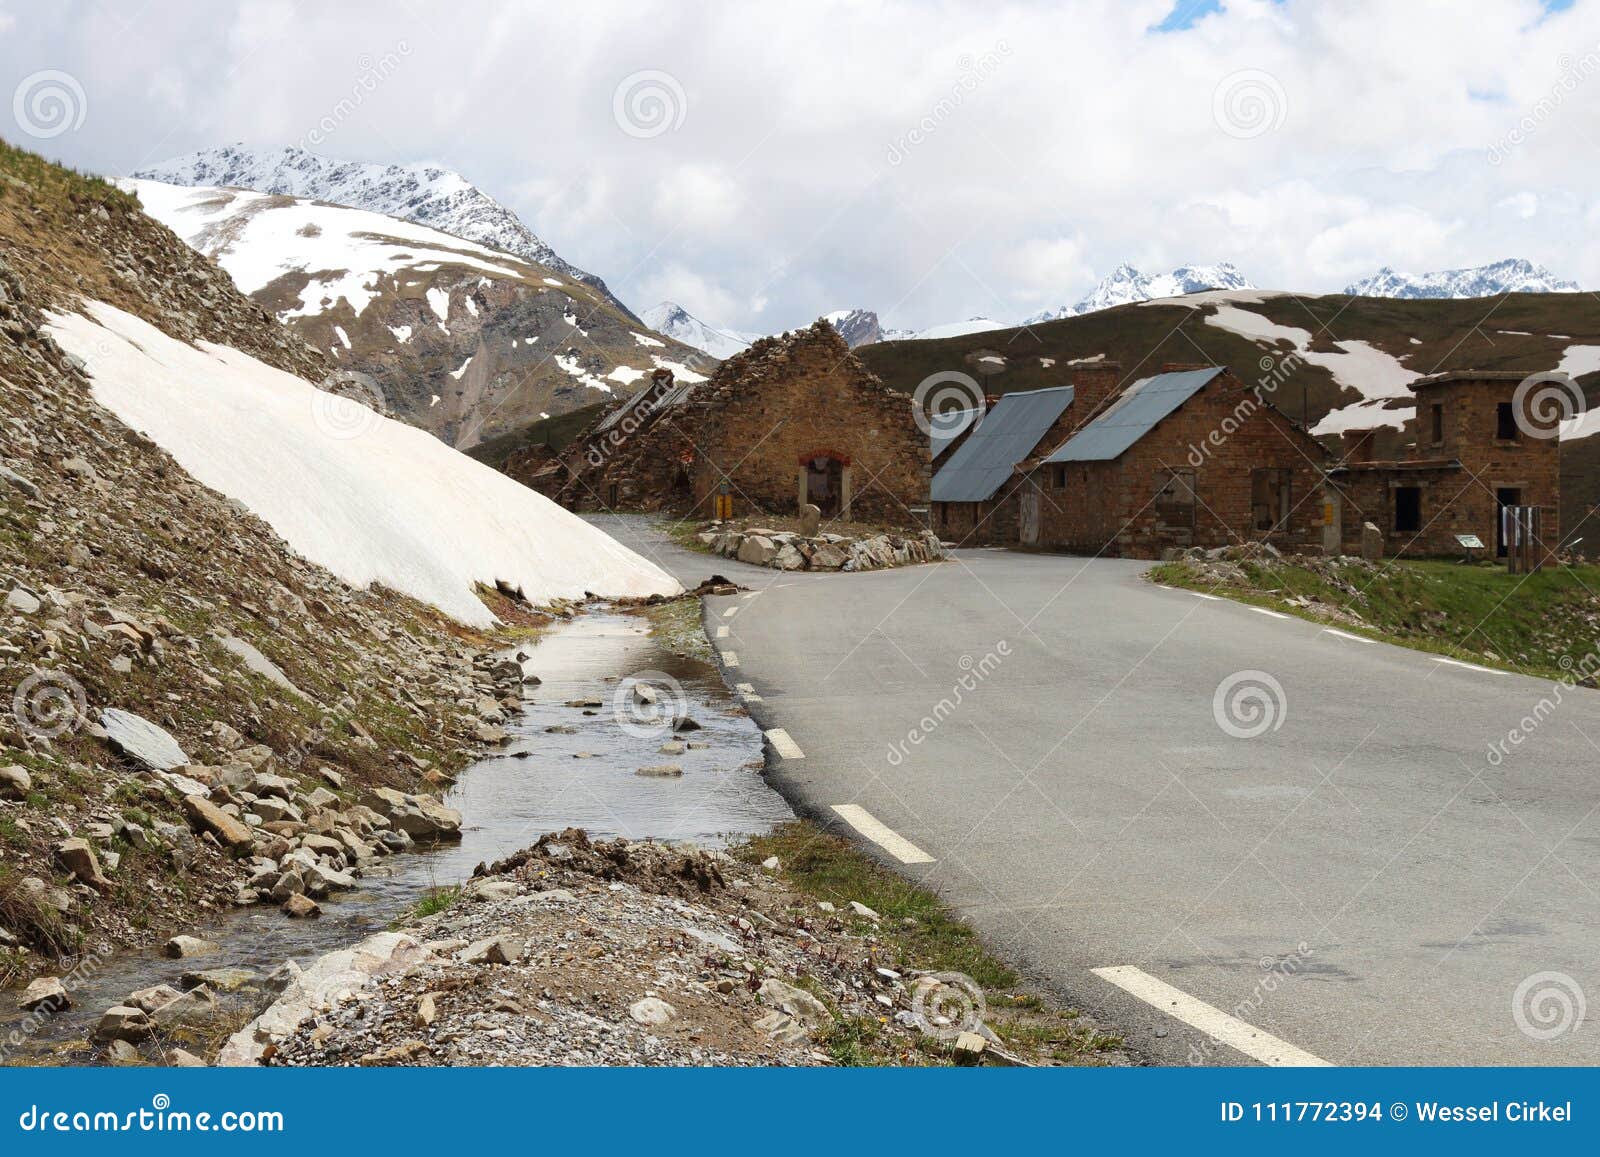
(566, 766)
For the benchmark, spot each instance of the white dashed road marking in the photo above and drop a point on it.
(1230, 1030)
(747, 692)
(1338, 634)
(1213, 598)
(1273, 614)
(886, 838)
(722, 632)
(783, 745)
(730, 658)
(730, 612)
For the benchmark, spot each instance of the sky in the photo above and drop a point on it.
(763, 163)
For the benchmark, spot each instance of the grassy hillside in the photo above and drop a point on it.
(557, 430)
(1542, 624)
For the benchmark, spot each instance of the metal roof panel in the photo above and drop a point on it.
(1008, 434)
(1133, 415)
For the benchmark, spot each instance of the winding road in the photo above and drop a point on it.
(1340, 856)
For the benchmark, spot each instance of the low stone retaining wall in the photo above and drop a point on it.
(785, 550)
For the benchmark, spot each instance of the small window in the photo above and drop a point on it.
(1506, 422)
(1174, 500)
(1058, 478)
(1407, 509)
(1436, 414)
(1269, 498)
(611, 495)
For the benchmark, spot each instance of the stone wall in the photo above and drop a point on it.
(1135, 506)
(1456, 499)
(804, 395)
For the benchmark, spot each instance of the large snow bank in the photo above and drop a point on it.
(371, 499)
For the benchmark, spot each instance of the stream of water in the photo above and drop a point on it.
(567, 766)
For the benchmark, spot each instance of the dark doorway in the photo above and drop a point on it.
(824, 484)
(1407, 509)
(1503, 497)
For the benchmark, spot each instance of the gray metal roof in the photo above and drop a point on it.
(1133, 415)
(945, 428)
(1008, 434)
(676, 395)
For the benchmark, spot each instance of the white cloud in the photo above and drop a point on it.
(1091, 141)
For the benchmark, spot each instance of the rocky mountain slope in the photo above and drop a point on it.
(458, 338)
(1513, 275)
(427, 194)
(191, 706)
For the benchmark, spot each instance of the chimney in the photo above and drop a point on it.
(1093, 386)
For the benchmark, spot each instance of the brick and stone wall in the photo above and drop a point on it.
(804, 395)
(1136, 505)
(1463, 499)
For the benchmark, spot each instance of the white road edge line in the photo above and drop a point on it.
(730, 658)
(1202, 595)
(783, 745)
(1338, 634)
(1272, 614)
(722, 632)
(730, 612)
(1230, 1030)
(747, 692)
(1469, 666)
(885, 837)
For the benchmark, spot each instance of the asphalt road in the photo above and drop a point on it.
(1360, 879)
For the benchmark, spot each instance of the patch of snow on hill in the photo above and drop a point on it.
(1376, 375)
(1578, 360)
(371, 499)
(961, 328)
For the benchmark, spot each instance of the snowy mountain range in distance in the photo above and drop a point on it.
(1127, 286)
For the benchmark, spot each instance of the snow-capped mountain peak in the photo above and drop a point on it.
(674, 321)
(1126, 285)
(426, 194)
(1512, 275)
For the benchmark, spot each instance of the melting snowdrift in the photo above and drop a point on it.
(371, 499)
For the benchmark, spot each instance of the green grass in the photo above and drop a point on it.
(918, 934)
(433, 901)
(830, 868)
(557, 431)
(1542, 624)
